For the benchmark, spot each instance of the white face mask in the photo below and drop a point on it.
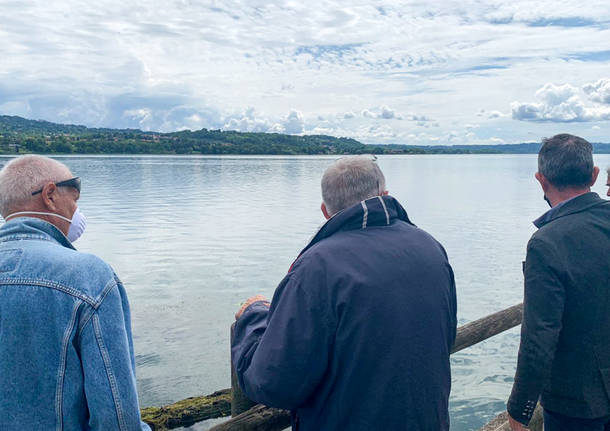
(77, 224)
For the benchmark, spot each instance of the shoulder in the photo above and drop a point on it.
(370, 243)
(307, 262)
(92, 274)
(544, 240)
(309, 272)
(562, 227)
(85, 273)
(93, 262)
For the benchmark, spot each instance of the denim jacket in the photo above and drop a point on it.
(66, 352)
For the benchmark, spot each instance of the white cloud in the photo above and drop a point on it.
(294, 123)
(495, 114)
(452, 137)
(251, 121)
(142, 116)
(419, 118)
(17, 107)
(203, 64)
(561, 104)
(599, 91)
(248, 121)
(383, 113)
(556, 94)
(387, 113)
(368, 114)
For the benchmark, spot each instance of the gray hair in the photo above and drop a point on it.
(350, 180)
(566, 161)
(24, 175)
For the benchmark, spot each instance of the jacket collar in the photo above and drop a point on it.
(21, 228)
(571, 206)
(375, 211)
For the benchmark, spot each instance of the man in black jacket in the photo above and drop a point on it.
(359, 331)
(564, 357)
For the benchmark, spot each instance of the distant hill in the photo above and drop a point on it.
(523, 148)
(20, 135)
(28, 136)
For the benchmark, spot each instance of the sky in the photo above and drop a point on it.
(437, 72)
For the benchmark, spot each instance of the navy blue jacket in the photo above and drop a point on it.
(359, 332)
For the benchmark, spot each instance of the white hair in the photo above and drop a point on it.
(24, 175)
(350, 180)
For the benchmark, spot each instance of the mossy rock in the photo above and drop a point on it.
(188, 411)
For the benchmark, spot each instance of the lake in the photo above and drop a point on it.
(193, 237)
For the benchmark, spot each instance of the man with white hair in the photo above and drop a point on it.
(66, 352)
(358, 334)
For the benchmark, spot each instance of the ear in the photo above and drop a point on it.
(49, 196)
(543, 181)
(325, 211)
(594, 176)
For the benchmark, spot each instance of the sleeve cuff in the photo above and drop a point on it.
(523, 412)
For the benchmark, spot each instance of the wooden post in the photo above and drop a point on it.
(239, 402)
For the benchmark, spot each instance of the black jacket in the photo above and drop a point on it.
(564, 357)
(359, 331)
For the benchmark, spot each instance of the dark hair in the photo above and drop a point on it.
(566, 161)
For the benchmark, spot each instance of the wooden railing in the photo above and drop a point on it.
(250, 417)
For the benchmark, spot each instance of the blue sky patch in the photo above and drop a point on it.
(575, 21)
(598, 56)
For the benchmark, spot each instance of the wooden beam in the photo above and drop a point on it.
(482, 329)
(260, 418)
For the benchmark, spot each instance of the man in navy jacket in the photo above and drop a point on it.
(358, 334)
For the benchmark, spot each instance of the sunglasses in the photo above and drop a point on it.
(72, 182)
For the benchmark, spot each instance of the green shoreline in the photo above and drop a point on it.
(22, 136)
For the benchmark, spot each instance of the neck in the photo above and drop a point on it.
(558, 196)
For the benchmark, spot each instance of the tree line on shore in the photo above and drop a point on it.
(20, 135)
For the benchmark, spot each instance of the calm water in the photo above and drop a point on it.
(192, 237)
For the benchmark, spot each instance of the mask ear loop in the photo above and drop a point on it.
(37, 213)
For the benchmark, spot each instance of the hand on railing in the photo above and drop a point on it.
(516, 426)
(249, 302)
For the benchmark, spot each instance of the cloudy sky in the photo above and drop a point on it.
(381, 71)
